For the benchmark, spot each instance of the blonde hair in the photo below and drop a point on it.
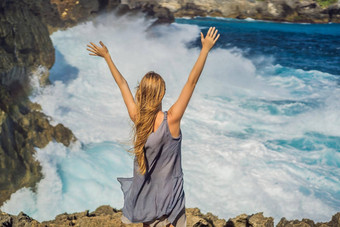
(148, 99)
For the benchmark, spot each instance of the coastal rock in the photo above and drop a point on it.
(25, 42)
(61, 14)
(105, 215)
(335, 222)
(151, 9)
(23, 127)
(275, 10)
(255, 220)
(197, 219)
(258, 220)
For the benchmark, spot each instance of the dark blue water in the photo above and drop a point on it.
(299, 46)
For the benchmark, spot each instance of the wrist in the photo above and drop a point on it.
(107, 56)
(205, 50)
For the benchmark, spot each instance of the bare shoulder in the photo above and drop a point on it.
(158, 121)
(174, 125)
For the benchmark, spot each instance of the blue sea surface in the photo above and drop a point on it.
(300, 46)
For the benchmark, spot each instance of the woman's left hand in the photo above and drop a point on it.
(98, 51)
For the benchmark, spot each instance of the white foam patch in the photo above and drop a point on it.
(74, 180)
(235, 113)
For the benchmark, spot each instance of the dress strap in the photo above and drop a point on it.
(165, 115)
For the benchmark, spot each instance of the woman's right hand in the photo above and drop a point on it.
(210, 39)
(98, 51)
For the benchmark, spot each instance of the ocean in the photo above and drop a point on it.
(261, 132)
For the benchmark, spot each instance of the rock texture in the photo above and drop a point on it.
(22, 127)
(106, 216)
(25, 42)
(274, 10)
(335, 222)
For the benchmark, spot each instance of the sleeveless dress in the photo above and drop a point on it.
(157, 197)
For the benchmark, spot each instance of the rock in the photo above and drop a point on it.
(63, 135)
(255, 220)
(6, 220)
(105, 215)
(239, 221)
(335, 222)
(104, 210)
(258, 220)
(21, 219)
(25, 43)
(151, 8)
(22, 128)
(196, 218)
(274, 10)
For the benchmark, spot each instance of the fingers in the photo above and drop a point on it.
(216, 38)
(90, 50)
(214, 35)
(97, 50)
(209, 41)
(209, 31)
(94, 46)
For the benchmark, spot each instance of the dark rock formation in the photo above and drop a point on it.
(25, 42)
(23, 126)
(107, 216)
(255, 220)
(61, 14)
(335, 222)
(151, 8)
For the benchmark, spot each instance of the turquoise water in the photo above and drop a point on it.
(261, 132)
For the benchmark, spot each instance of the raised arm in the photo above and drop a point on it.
(120, 80)
(176, 111)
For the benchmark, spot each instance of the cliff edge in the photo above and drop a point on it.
(106, 216)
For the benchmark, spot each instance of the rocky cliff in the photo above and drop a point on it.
(25, 44)
(311, 11)
(107, 216)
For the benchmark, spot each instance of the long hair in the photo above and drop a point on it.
(149, 94)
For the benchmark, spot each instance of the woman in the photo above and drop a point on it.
(155, 195)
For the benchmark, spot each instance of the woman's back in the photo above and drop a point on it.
(174, 130)
(160, 191)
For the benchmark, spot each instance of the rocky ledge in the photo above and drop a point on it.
(309, 11)
(107, 216)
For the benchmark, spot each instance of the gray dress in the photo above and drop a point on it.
(159, 192)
